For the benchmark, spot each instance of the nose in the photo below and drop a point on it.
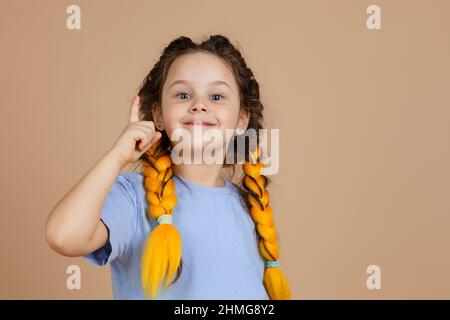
(199, 108)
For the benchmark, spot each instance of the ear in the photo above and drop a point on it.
(244, 118)
(158, 117)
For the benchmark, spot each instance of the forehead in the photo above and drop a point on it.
(200, 69)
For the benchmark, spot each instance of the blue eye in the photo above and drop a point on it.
(182, 93)
(218, 95)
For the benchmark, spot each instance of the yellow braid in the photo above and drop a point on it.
(162, 250)
(275, 282)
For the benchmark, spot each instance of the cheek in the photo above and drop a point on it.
(228, 119)
(172, 117)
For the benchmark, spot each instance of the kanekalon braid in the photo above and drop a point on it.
(261, 212)
(162, 250)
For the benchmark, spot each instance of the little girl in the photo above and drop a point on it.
(185, 220)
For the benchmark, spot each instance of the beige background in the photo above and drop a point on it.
(363, 118)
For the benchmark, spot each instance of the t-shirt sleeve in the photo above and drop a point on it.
(119, 215)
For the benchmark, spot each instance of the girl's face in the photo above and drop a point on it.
(200, 86)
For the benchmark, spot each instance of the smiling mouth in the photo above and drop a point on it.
(199, 123)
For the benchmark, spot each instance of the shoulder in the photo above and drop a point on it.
(131, 184)
(134, 178)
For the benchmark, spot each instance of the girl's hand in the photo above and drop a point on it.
(136, 138)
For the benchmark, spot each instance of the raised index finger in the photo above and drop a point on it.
(134, 111)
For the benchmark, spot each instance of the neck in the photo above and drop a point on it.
(203, 174)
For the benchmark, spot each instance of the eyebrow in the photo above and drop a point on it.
(217, 82)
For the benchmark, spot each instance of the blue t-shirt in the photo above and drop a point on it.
(219, 241)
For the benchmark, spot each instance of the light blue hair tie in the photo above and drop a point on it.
(165, 219)
(271, 264)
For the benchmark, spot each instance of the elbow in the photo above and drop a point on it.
(57, 243)
(60, 242)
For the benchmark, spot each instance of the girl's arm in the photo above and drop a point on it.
(73, 227)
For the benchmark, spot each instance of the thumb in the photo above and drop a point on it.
(156, 137)
(144, 148)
